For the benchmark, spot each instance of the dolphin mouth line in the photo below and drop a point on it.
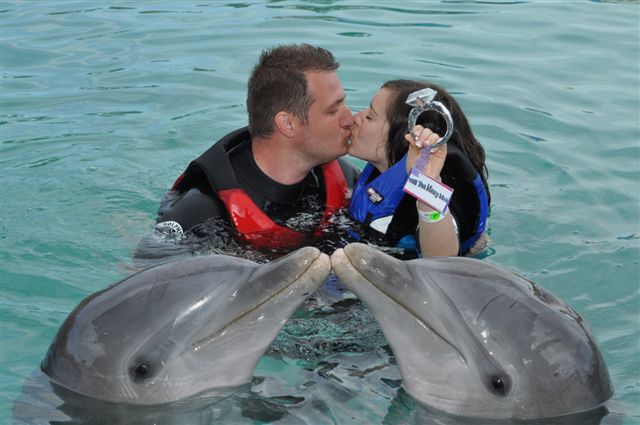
(410, 311)
(209, 339)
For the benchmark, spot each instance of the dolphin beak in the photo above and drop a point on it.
(389, 289)
(307, 263)
(357, 263)
(342, 265)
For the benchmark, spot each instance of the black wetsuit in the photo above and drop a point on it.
(195, 198)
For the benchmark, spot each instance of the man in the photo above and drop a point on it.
(277, 180)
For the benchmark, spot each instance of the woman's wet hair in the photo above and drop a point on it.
(397, 117)
(278, 83)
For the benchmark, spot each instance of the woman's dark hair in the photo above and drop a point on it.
(397, 117)
(278, 83)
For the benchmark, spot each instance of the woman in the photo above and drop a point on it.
(380, 138)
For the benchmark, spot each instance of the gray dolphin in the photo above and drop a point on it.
(475, 340)
(187, 327)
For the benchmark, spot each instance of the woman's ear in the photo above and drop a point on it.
(284, 123)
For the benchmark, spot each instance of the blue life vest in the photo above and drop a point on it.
(483, 200)
(375, 203)
(379, 198)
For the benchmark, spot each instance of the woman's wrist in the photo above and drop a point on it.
(424, 207)
(429, 215)
(435, 177)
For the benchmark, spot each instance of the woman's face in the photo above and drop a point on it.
(369, 135)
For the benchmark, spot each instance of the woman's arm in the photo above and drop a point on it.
(437, 232)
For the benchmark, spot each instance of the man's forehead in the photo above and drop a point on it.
(325, 86)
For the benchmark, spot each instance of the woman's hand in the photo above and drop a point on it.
(421, 138)
(436, 238)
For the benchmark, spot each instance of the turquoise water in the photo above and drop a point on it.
(104, 103)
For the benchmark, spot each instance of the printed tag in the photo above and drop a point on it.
(428, 191)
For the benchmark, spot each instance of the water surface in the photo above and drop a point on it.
(103, 104)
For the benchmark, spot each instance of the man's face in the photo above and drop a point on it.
(326, 134)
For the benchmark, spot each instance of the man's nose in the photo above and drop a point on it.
(347, 121)
(358, 116)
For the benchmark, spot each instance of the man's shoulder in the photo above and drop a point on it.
(189, 208)
(224, 146)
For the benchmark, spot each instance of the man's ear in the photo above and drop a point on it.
(284, 122)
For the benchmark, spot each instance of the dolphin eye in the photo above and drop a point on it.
(499, 384)
(141, 371)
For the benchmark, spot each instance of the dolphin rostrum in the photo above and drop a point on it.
(190, 327)
(475, 340)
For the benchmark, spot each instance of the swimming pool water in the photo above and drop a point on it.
(104, 103)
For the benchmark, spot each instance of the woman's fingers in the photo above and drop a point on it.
(421, 137)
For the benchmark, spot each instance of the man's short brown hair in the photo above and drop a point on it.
(278, 83)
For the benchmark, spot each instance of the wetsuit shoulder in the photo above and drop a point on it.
(350, 171)
(188, 208)
(194, 198)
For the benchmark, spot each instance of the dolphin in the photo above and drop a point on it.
(475, 340)
(191, 327)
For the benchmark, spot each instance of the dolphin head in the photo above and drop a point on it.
(182, 328)
(475, 340)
